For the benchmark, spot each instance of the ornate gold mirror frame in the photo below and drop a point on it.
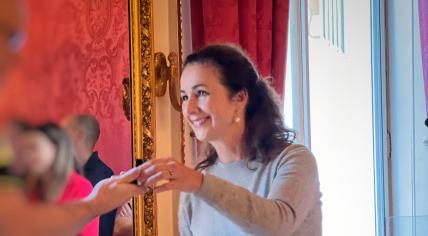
(142, 105)
(150, 74)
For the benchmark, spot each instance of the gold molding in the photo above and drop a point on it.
(143, 106)
(168, 75)
(180, 69)
(126, 98)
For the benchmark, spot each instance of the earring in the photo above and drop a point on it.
(237, 119)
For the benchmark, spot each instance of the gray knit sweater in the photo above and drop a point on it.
(250, 198)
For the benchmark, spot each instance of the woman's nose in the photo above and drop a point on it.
(190, 106)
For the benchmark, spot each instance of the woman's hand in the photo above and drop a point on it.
(115, 191)
(179, 176)
(123, 221)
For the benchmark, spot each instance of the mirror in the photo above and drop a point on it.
(157, 128)
(142, 105)
(74, 61)
(98, 57)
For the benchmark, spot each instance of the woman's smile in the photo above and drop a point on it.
(199, 122)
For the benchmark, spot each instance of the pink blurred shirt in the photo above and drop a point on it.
(77, 188)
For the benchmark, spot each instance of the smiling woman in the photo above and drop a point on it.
(206, 104)
(252, 177)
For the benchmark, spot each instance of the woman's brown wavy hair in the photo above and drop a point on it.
(265, 134)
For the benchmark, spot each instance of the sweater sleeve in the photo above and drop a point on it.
(292, 195)
(184, 215)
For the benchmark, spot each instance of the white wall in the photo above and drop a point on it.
(168, 130)
(341, 120)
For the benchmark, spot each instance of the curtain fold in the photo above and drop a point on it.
(258, 26)
(423, 25)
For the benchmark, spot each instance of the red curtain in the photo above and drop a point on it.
(74, 60)
(423, 25)
(259, 26)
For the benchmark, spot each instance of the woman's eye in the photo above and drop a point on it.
(202, 93)
(184, 98)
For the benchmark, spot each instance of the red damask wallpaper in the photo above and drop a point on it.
(74, 60)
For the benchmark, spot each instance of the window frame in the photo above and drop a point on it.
(300, 79)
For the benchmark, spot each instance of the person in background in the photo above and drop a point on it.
(49, 157)
(84, 131)
(253, 179)
(18, 215)
(123, 225)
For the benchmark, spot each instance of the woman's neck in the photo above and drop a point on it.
(228, 152)
(230, 147)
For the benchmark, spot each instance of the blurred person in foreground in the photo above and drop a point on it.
(48, 157)
(19, 216)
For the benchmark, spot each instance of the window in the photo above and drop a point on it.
(332, 105)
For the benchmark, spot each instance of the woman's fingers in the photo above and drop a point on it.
(127, 210)
(161, 175)
(155, 162)
(164, 187)
(128, 176)
(165, 166)
(153, 169)
(122, 212)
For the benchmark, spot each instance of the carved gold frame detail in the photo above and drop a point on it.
(142, 106)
